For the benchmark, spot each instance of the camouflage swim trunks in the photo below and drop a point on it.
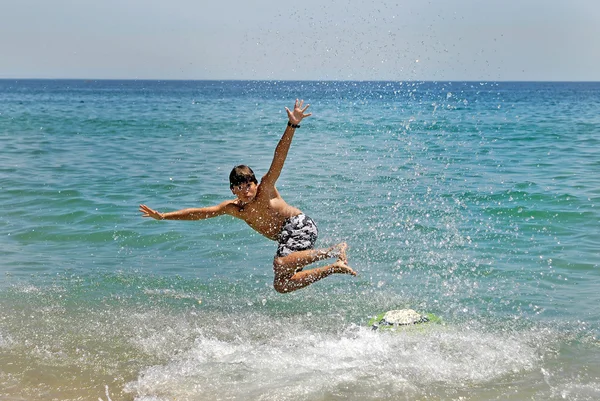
(298, 233)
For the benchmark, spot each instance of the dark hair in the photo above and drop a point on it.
(240, 175)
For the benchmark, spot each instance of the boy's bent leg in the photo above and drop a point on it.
(288, 274)
(285, 283)
(297, 260)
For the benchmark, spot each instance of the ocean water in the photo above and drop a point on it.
(476, 201)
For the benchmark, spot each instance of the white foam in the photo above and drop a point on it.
(28, 289)
(5, 340)
(577, 392)
(295, 363)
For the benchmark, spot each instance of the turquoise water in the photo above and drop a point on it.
(479, 202)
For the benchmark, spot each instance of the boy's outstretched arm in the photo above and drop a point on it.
(187, 214)
(281, 151)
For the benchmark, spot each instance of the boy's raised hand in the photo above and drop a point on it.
(147, 212)
(298, 114)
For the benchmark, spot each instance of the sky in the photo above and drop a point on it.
(398, 40)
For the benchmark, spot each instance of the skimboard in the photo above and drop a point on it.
(401, 318)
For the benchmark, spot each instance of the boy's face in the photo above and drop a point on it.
(245, 192)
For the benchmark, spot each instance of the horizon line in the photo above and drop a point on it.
(295, 80)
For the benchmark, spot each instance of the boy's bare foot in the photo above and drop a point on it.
(339, 250)
(342, 268)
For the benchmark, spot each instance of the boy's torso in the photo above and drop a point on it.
(266, 213)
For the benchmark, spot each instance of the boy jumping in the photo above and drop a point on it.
(263, 209)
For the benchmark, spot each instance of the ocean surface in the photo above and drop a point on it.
(478, 202)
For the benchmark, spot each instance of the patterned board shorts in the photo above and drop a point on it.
(298, 233)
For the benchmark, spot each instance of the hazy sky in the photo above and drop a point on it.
(304, 39)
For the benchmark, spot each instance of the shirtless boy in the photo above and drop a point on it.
(261, 206)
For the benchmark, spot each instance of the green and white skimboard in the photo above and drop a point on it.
(401, 318)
